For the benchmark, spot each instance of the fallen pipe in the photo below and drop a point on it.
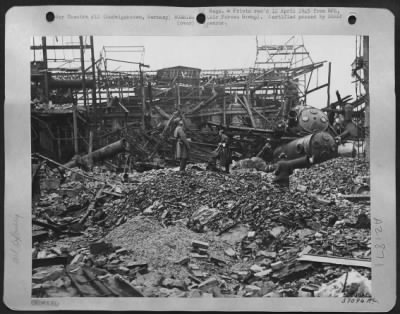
(321, 146)
(302, 153)
(99, 154)
(284, 168)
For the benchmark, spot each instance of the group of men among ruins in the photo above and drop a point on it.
(182, 150)
(223, 154)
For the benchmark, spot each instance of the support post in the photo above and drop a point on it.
(142, 91)
(75, 127)
(90, 149)
(46, 73)
(178, 97)
(328, 88)
(224, 108)
(83, 71)
(94, 100)
(366, 88)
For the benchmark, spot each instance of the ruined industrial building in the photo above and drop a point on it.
(113, 215)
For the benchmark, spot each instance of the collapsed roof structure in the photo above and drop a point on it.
(80, 104)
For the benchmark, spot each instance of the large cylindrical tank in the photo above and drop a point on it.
(312, 120)
(321, 145)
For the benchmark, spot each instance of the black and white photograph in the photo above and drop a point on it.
(200, 167)
(156, 156)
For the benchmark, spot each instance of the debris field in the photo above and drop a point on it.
(161, 233)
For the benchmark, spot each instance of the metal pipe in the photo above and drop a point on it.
(321, 146)
(100, 154)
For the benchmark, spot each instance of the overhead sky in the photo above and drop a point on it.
(227, 52)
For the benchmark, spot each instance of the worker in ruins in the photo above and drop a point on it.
(224, 151)
(182, 149)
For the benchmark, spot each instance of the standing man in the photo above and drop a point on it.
(224, 151)
(182, 146)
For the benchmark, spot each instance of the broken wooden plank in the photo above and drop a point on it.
(357, 197)
(67, 168)
(75, 283)
(127, 287)
(39, 235)
(105, 292)
(46, 225)
(335, 260)
(91, 206)
(200, 244)
(113, 193)
(49, 261)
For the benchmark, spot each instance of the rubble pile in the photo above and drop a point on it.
(161, 247)
(205, 234)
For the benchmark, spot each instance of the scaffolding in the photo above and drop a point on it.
(360, 71)
(291, 65)
(62, 63)
(63, 91)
